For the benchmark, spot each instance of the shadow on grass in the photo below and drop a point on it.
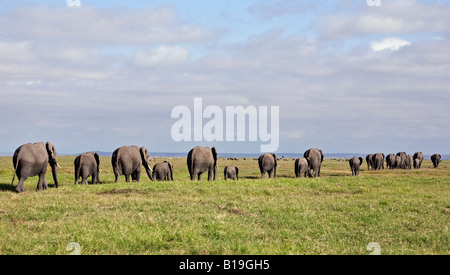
(7, 187)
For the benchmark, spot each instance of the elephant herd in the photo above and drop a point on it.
(399, 161)
(31, 160)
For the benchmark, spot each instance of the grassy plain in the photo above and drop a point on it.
(405, 211)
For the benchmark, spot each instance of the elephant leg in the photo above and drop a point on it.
(210, 173)
(127, 178)
(20, 186)
(40, 185)
(138, 175)
(200, 176)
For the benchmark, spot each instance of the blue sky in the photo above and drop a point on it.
(347, 77)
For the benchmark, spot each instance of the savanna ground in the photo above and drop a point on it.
(405, 211)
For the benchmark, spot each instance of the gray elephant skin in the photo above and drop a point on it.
(315, 156)
(369, 161)
(436, 159)
(403, 159)
(231, 172)
(302, 167)
(355, 164)
(268, 164)
(127, 161)
(200, 160)
(163, 171)
(378, 161)
(418, 159)
(390, 161)
(32, 159)
(87, 165)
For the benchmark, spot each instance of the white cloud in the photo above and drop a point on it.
(391, 43)
(163, 55)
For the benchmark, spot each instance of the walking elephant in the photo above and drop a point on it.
(268, 164)
(355, 163)
(398, 162)
(316, 158)
(418, 159)
(436, 159)
(200, 160)
(231, 172)
(163, 171)
(403, 160)
(32, 159)
(302, 166)
(378, 161)
(87, 165)
(390, 161)
(127, 161)
(369, 162)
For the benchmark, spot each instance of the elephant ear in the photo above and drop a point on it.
(237, 173)
(144, 154)
(275, 159)
(214, 152)
(51, 151)
(171, 170)
(321, 156)
(360, 160)
(97, 159)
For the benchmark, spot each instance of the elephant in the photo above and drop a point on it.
(390, 161)
(378, 161)
(436, 159)
(32, 159)
(87, 165)
(403, 157)
(163, 171)
(369, 162)
(316, 158)
(355, 163)
(268, 163)
(127, 161)
(200, 160)
(231, 172)
(302, 167)
(408, 162)
(398, 162)
(418, 159)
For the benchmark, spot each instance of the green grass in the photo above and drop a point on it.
(406, 212)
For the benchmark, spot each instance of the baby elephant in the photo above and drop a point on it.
(231, 172)
(302, 167)
(355, 163)
(87, 165)
(163, 171)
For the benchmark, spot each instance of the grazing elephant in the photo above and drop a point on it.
(436, 159)
(32, 159)
(378, 161)
(200, 160)
(316, 158)
(127, 161)
(302, 167)
(418, 158)
(231, 172)
(403, 157)
(87, 165)
(163, 171)
(355, 163)
(398, 162)
(268, 163)
(390, 161)
(369, 162)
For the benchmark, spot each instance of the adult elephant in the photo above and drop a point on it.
(200, 160)
(378, 161)
(398, 162)
(418, 159)
(231, 172)
(355, 163)
(87, 165)
(436, 159)
(163, 171)
(268, 164)
(408, 162)
(32, 159)
(127, 161)
(302, 166)
(403, 157)
(390, 161)
(369, 161)
(316, 158)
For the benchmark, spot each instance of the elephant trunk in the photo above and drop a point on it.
(148, 170)
(55, 166)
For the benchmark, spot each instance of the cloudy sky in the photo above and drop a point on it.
(347, 77)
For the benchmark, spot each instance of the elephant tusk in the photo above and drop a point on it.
(58, 166)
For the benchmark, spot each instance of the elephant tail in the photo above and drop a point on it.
(16, 164)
